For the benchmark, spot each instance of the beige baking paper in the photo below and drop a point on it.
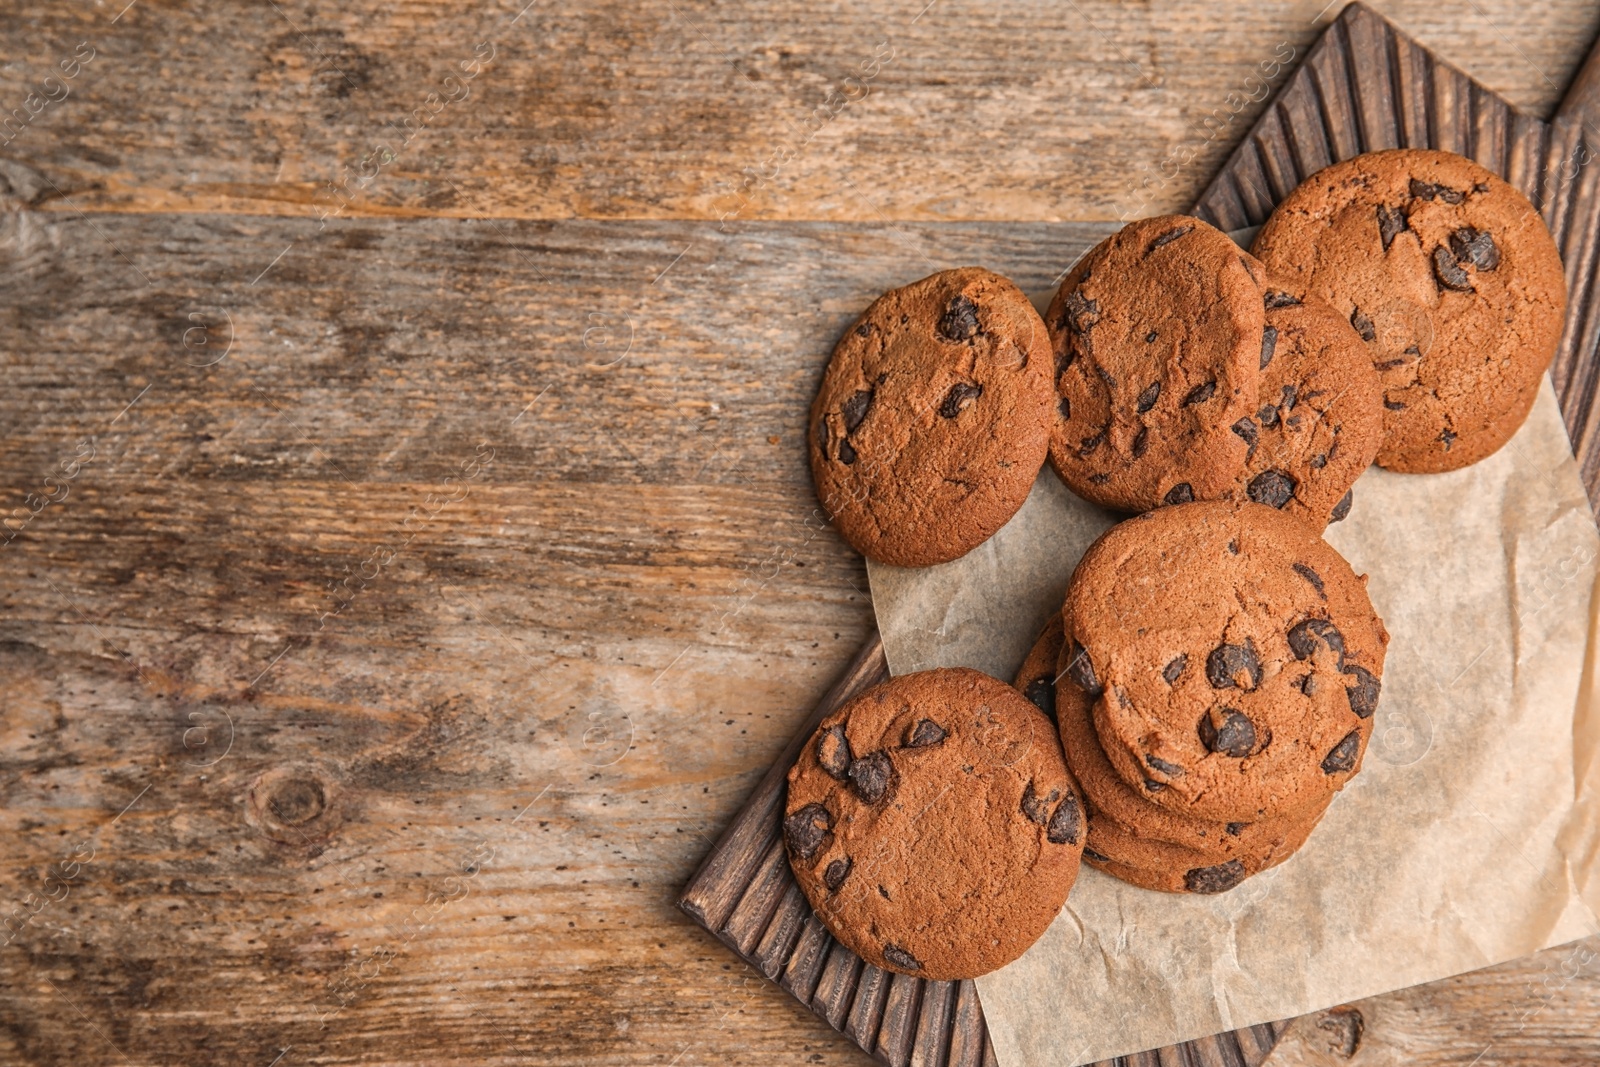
(1464, 841)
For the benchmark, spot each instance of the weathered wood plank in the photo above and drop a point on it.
(662, 108)
(417, 676)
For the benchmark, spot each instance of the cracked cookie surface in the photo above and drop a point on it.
(1233, 657)
(1156, 336)
(1320, 420)
(1449, 275)
(932, 419)
(933, 824)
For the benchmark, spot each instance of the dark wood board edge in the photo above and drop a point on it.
(704, 897)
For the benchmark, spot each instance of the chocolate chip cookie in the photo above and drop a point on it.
(933, 418)
(1171, 868)
(1452, 279)
(1157, 338)
(1234, 659)
(933, 825)
(1143, 843)
(1036, 678)
(1320, 421)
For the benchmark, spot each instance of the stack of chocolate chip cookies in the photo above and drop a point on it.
(1213, 675)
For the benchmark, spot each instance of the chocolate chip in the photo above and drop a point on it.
(1173, 670)
(1168, 237)
(1311, 576)
(1066, 823)
(807, 829)
(1427, 191)
(1448, 437)
(1269, 345)
(1065, 407)
(1342, 508)
(1154, 786)
(1288, 396)
(1081, 671)
(833, 752)
(1233, 547)
(1035, 807)
(1182, 493)
(1226, 662)
(1318, 461)
(959, 398)
(1171, 770)
(863, 329)
(924, 732)
(836, 873)
(1042, 693)
(1449, 272)
(1141, 441)
(1200, 393)
(1304, 637)
(1080, 314)
(1150, 338)
(1475, 247)
(1394, 405)
(1363, 696)
(1089, 444)
(1343, 756)
(1268, 415)
(1272, 488)
(1363, 326)
(855, 409)
(1277, 298)
(847, 453)
(869, 776)
(1091, 854)
(884, 893)
(1218, 879)
(1148, 398)
(1391, 222)
(1308, 685)
(1234, 736)
(899, 957)
(960, 319)
(1246, 428)
(1235, 828)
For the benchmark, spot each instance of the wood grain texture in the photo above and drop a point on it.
(316, 748)
(655, 109)
(331, 671)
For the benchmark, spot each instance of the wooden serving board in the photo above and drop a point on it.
(1364, 86)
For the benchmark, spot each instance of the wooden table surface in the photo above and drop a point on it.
(409, 557)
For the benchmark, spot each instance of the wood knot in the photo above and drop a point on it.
(1341, 1028)
(296, 805)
